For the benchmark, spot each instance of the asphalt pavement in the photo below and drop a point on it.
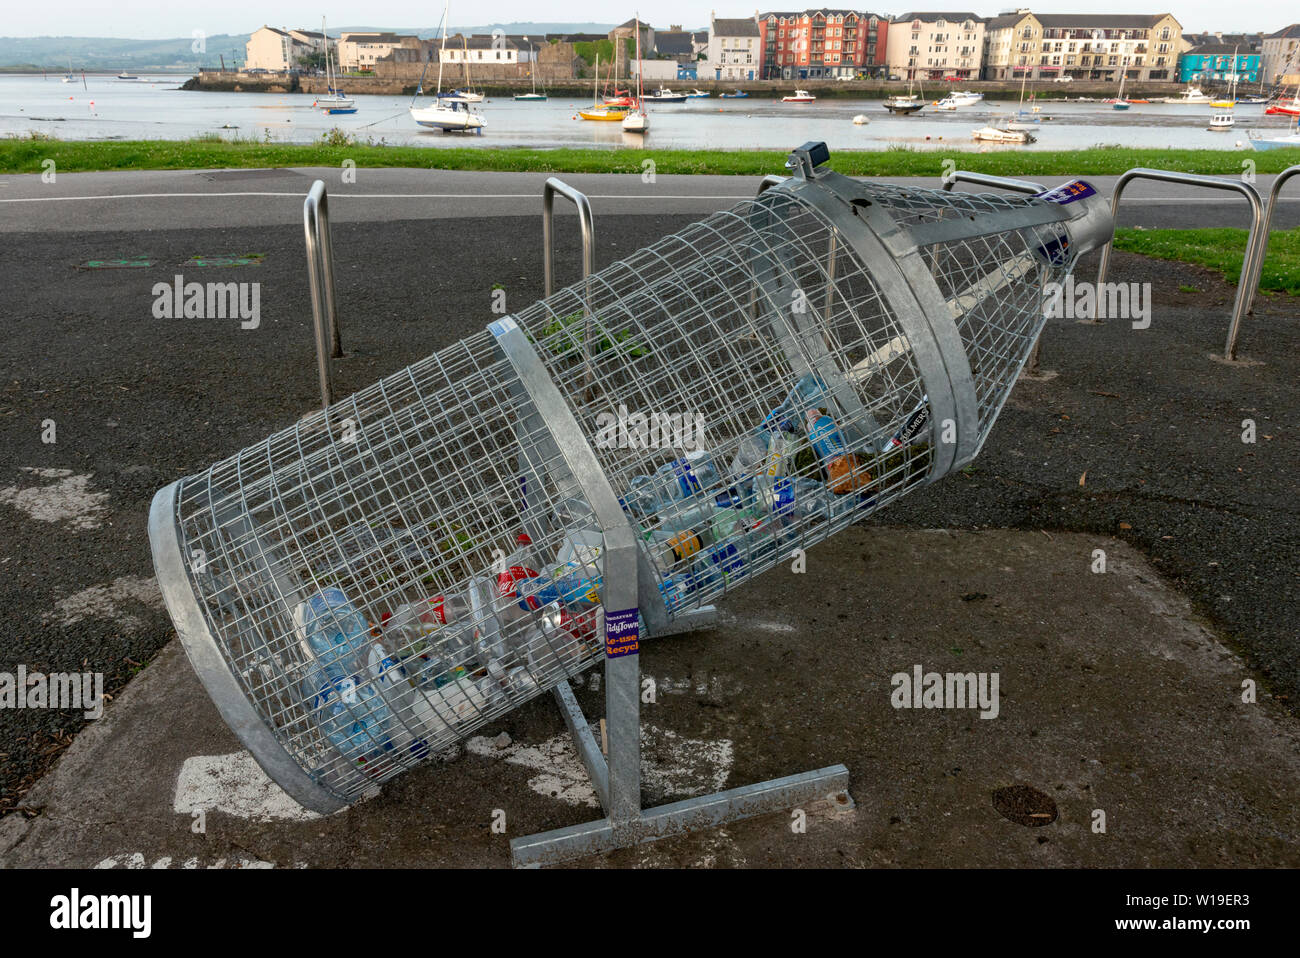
(1134, 439)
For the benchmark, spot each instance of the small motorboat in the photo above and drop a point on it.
(1222, 121)
(530, 96)
(860, 120)
(738, 95)
(665, 95)
(800, 96)
(1258, 140)
(127, 76)
(1192, 95)
(994, 134)
(697, 94)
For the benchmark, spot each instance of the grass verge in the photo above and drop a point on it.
(18, 155)
(1222, 250)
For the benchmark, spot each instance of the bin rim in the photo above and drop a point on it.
(212, 668)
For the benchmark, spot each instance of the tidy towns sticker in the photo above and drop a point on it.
(622, 633)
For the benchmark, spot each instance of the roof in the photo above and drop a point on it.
(480, 42)
(1101, 21)
(374, 38)
(1005, 20)
(1286, 32)
(1219, 48)
(314, 34)
(824, 11)
(674, 43)
(734, 28)
(283, 33)
(930, 17)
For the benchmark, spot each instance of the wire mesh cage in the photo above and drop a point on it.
(363, 589)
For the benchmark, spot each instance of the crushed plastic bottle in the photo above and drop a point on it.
(337, 634)
(843, 470)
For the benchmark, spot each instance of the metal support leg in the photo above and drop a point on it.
(617, 780)
(320, 276)
(579, 199)
(1249, 261)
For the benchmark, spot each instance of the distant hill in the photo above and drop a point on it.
(177, 56)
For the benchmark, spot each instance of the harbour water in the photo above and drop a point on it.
(106, 108)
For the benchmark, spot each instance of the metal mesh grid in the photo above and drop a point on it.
(361, 573)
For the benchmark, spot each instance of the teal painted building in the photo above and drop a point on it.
(1215, 62)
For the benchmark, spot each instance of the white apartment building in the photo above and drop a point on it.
(278, 50)
(359, 51)
(931, 46)
(1087, 46)
(734, 50)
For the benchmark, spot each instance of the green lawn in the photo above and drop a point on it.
(1222, 250)
(26, 156)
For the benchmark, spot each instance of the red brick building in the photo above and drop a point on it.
(816, 44)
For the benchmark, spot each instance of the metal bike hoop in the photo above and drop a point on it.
(985, 179)
(1245, 291)
(320, 277)
(1261, 248)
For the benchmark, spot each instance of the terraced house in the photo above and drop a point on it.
(821, 43)
(1083, 46)
(1281, 55)
(935, 46)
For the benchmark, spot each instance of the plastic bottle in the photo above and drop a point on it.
(691, 475)
(844, 472)
(334, 630)
(351, 714)
(808, 391)
(773, 492)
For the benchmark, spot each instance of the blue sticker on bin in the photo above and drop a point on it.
(622, 633)
(1068, 193)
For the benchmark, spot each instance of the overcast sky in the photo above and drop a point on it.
(149, 19)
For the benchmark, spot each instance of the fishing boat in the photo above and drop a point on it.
(738, 95)
(994, 134)
(698, 94)
(602, 112)
(450, 112)
(1222, 121)
(637, 120)
(127, 76)
(665, 95)
(532, 72)
(334, 102)
(800, 96)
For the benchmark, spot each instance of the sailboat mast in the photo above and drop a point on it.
(445, 10)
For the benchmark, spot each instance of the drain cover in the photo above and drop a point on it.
(1024, 805)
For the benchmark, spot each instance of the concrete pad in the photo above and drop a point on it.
(1112, 697)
